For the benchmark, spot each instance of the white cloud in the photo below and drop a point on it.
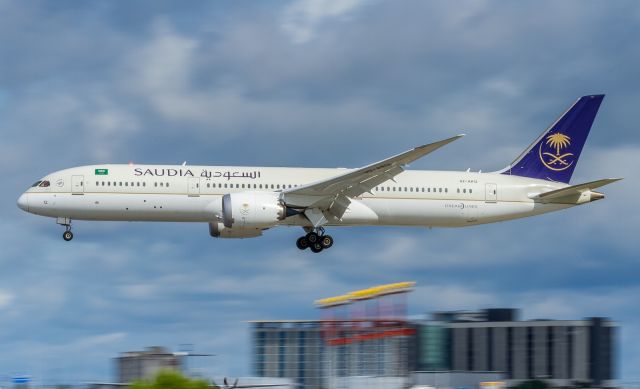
(6, 299)
(303, 18)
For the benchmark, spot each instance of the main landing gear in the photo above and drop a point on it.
(66, 222)
(315, 240)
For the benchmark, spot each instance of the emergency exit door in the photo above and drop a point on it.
(77, 185)
(491, 193)
(194, 186)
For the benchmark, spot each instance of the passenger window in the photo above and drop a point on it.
(144, 184)
(469, 190)
(167, 184)
(155, 184)
(440, 190)
(108, 183)
(446, 190)
(225, 185)
(422, 190)
(260, 186)
(463, 191)
(242, 186)
(126, 184)
(255, 186)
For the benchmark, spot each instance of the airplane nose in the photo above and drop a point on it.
(23, 202)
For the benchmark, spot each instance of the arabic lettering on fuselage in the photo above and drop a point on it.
(205, 173)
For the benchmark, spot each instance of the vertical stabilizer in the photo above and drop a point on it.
(554, 155)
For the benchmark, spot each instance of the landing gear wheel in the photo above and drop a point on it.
(316, 247)
(302, 243)
(312, 238)
(326, 241)
(67, 235)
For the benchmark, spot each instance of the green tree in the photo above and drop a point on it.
(172, 380)
(533, 384)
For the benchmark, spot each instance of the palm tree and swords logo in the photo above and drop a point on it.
(560, 160)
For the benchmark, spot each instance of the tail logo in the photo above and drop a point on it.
(559, 160)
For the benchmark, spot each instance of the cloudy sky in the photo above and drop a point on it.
(303, 83)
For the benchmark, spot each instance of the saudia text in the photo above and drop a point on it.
(228, 174)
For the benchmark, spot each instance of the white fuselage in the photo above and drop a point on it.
(194, 193)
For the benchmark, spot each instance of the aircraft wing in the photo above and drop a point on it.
(333, 193)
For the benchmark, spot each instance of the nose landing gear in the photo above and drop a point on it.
(315, 240)
(67, 235)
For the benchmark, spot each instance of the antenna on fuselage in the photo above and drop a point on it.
(184, 163)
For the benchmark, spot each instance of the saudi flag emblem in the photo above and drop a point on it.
(102, 172)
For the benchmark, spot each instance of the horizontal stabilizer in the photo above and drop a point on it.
(574, 190)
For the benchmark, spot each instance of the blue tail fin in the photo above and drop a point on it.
(553, 156)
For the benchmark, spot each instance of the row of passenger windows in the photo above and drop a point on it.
(132, 184)
(248, 186)
(278, 186)
(418, 189)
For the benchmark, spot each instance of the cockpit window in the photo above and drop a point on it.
(44, 184)
(36, 184)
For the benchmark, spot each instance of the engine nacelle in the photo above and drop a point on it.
(252, 210)
(218, 230)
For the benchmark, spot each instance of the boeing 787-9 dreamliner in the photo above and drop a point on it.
(243, 202)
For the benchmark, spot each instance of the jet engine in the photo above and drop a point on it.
(218, 230)
(250, 210)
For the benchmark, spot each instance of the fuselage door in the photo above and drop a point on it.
(77, 185)
(194, 186)
(491, 193)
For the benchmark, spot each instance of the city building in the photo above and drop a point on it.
(321, 354)
(559, 351)
(139, 365)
